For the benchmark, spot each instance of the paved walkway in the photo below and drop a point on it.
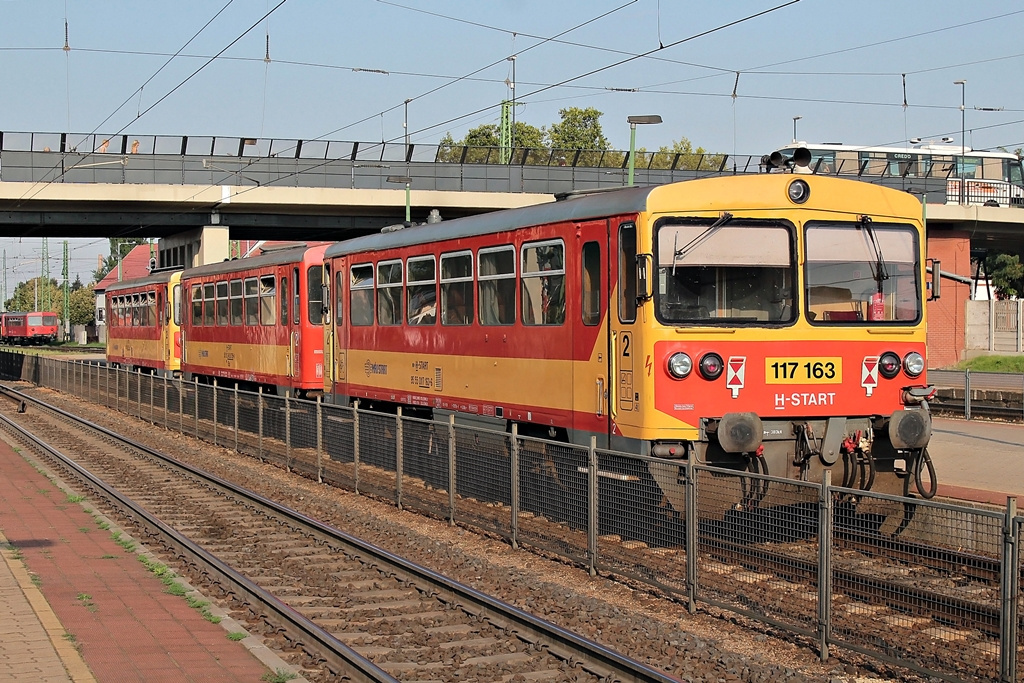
(79, 607)
(978, 460)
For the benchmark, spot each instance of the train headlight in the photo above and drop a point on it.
(913, 364)
(889, 365)
(799, 191)
(679, 365)
(711, 366)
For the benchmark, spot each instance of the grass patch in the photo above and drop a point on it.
(86, 601)
(34, 578)
(236, 636)
(108, 556)
(85, 529)
(1010, 364)
(279, 676)
(103, 525)
(75, 498)
(14, 550)
(126, 543)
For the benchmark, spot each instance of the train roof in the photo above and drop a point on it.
(576, 208)
(156, 277)
(930, 149)
(275, 257)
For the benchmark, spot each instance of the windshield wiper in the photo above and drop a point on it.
(878, 271)
(682, 252)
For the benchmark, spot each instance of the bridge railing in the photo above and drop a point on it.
(240, 161)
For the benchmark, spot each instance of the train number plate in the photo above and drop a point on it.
(803, 370)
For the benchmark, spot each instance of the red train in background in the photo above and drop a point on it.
(36, 327)
(257, 321)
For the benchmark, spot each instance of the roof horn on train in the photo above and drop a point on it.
(777, 162)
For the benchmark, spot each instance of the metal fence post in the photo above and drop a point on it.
(236, 415)
(398, 457)
(152, 396)
(355, 443)
(117, 389)
(967, 394)
(824, 564)
(691, 532)
(181, 406)
(592, 505)
(138, 392)
(1008, 595)
(259, 419)
(513, 485)
(451, 467)
(195, 381)
(215, 411)
(319, 439)
(166, 411)
(287, 431)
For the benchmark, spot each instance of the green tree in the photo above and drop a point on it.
(1007, 274)
(119, 248)
(485, 140)
(82, 306)
(579, 129)
(29, 296)
(689, 158)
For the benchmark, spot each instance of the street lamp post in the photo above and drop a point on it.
(633, 121)
(795, 119)
(963, 136)
(408, 181)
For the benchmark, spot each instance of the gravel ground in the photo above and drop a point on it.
(710, 646)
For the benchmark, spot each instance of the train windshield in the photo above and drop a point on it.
(718, 271)
(862, 272)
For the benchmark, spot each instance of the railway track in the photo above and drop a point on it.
(350, 610)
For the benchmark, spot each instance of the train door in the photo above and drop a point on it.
(590, 334)
(162, 308)
(626, 367)
(295, 339)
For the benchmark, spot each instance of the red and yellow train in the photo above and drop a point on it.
(772, 323)
(144, 323)
(36, 327)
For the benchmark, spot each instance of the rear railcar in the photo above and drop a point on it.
(257, 321)
(144, 323)
(35, 327)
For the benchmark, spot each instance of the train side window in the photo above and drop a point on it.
(236, 302)
(361, 292)
(421, 276)
(457, 288)
(497, 285)
(295, 296)
(268, 300)
(591, 283)
(315, 295)
(223, 303)
(197, 305)
(627, 273)
(339, 298)
(135, 310)
(176, 305)
(251, 292)
(543, 283)
(389, 293)
(284, 302)
(151, 308)
(325, 295)
(208, 304)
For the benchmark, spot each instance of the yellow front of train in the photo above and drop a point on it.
(779, 328)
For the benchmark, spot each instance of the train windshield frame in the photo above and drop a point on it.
(862, 273)
(724, 272)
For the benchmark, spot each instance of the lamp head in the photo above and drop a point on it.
(652, 118)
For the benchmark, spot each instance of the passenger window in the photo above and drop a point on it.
(223, 303)
(457, 288)
(284, 302)
(315, 294)
(236, 302)
(208, 303)
(543, 290)
(389, 293)
(497, 285)
(252, 301)
(339, 298)
(296, 304)
(591, 284)
(176, 305)
(151, 309)
(268, 300)
(197, 305)
(627, 273)
(361, 286)
(422, 280)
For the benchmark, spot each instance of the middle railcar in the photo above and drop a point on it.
(257, 321)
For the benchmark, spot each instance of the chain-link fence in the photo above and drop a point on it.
(923, 584)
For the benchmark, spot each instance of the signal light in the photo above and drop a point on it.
(799, 191)
(889, 365)
(711, 366)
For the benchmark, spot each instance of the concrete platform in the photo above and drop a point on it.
(80, 607)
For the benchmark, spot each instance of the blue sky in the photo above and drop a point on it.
(838, 65)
